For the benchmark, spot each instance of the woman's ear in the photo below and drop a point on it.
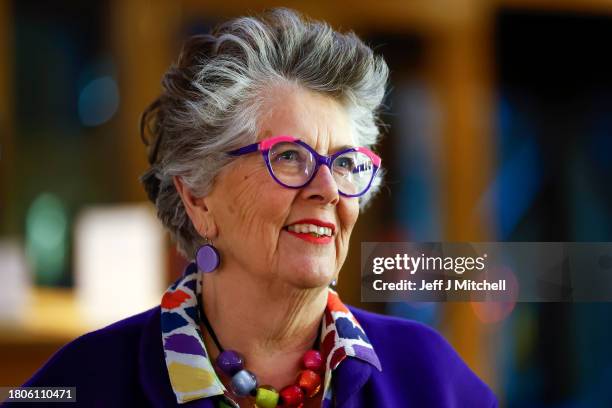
(196, 209)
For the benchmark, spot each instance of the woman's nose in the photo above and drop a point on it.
(322, 187)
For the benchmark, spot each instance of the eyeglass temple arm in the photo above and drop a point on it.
(244, 150)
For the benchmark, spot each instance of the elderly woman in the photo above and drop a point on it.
(260, 162)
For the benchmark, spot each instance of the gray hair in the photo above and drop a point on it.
(212, 97)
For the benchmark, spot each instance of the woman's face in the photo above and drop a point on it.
(250, 213)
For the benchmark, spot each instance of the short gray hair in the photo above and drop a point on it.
(212, 95)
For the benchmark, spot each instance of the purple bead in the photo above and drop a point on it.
(207, 258)
(230, 362)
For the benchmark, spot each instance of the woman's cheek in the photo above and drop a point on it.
(348, 212)
(348, 218)
(248, 196)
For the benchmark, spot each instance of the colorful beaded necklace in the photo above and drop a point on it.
(244, 382)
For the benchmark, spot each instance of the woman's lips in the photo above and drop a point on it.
(323, 239)
(316, 223)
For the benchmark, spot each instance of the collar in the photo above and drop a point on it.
(190, 369)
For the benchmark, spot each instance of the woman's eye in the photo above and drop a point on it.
(288, 155)
(345, 163)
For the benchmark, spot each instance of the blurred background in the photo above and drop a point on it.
(500, 129)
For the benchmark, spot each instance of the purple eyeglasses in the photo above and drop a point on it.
(293, 164)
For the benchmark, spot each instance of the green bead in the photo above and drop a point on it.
(267, 397)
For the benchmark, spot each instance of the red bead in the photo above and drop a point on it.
(292, 396)
(312, 360)
(309, 382)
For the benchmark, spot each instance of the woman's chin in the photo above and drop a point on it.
(309, 278)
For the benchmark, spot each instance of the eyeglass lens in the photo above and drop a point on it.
(293, 165)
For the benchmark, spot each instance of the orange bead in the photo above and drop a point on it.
(310, 382)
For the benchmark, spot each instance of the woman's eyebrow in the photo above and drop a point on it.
(343, 147)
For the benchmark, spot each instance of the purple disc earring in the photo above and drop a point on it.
(207, 258)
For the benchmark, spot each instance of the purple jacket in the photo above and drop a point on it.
(123, 365)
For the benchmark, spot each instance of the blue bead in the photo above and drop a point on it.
(244, 383)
